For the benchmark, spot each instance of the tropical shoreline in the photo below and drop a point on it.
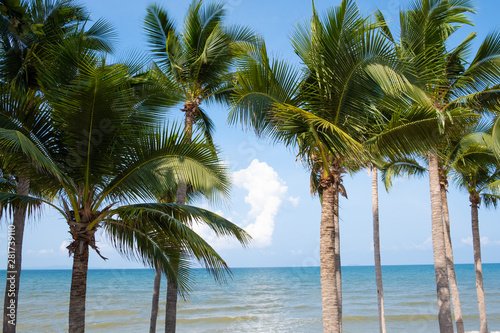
(264, 299)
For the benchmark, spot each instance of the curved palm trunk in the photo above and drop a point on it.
(439, 249)
(155, 301)
(10, 304)
(338, 275)
(376, 252)
(483, 328)
(457, 309)
(329, 294)
(78, 288)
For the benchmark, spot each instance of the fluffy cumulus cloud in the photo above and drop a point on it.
(266, 191)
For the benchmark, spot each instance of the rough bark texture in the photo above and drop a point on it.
(376, 252)
(155, 301)
(191, 110)
(14, 266)
(329, 294)
(457, 309)
(171, 310)
(476, 242)
(439, 249)
(78, 288)
(338, 273)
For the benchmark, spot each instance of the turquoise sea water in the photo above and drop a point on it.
(255, 300)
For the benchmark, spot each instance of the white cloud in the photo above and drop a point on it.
(467, 240)
(45, 251)
(427, 244)
(294, 200)
(266, 191)
(63, 246)
(485, 241)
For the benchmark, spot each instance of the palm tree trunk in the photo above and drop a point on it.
(171, 310)
(16, 230)
(338, 275)
(483, 328)
(329, 293)
(78, 288)
(439, 249)
(376, 252)
(457, 309)
(155, 301)
(172, 290)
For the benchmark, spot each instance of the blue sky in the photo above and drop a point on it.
(271, 196)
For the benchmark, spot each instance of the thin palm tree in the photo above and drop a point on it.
(471, 150)
(479, 175)
(27, 29)
(376, 250)
(195, 63)
(323, 113)
(452, 91)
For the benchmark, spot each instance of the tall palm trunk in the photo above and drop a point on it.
(483, 328)
(10, 304)
(78, 288)
(457, 309)
(155, 301)
(172, 290)
(329, 294)
(338, 275)
(439, 249)
(376, 252)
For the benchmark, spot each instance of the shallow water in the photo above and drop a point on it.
(255, 300)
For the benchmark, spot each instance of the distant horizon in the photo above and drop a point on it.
(54, 268)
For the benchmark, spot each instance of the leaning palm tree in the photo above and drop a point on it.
(196, 64)
(122, 157)
(452, 91)
(323, 113)
(27, 30)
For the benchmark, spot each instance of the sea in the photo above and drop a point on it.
(254, 300)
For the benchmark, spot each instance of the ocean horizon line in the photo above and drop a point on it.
(235, 267)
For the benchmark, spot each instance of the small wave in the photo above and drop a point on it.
(360, 318)
(229, 308)
(108, 325)
(422, 317)
(216, 319)
(414, 303)
(301, 307)
(112, 313)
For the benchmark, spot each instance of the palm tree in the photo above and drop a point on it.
(376, 252)
(196, 64)
(451, 91)
(481, 179)
(465, 156)
(121, 156)
(27, 29)
(324, 114)
(209, 193)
